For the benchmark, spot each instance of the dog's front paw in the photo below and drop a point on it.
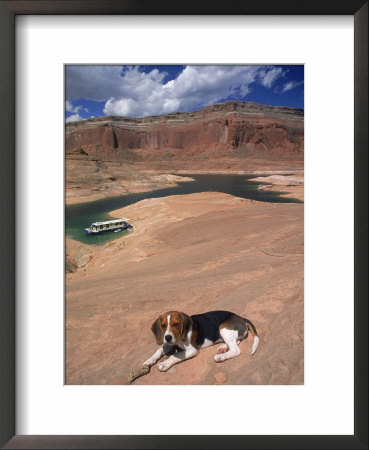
(219, 358)
(149, 362)
(163, 367)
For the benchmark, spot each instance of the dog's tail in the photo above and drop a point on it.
(253, 331)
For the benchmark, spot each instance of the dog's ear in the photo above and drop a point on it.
(157, 331)
(186, 325)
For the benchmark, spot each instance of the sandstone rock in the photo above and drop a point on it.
(212, 251)
(242, 127)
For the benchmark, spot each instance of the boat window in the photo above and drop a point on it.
(101, 227)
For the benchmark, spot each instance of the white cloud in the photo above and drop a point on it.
(74, 118)
(92, 82)
(119, 107)
(74, 109)
(271, 76)
(290, 85)
(170, 104)
(129, 92)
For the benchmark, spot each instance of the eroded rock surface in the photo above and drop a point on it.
(245, 128)
(193, 253)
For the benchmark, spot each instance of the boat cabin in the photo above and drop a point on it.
(109, 225)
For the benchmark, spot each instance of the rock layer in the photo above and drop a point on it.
(226, 129)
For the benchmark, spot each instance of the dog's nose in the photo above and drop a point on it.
(168, 337)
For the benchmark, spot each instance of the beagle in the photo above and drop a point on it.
(187, 334)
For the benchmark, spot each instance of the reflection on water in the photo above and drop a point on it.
(78, 217)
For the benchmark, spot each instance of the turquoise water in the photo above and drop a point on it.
(78, 217)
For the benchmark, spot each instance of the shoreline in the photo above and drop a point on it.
(173, 178)
(294, 183)
(157, 181)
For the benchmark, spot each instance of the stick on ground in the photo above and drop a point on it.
(144, 370)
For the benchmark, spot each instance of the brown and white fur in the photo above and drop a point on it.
(176, 330)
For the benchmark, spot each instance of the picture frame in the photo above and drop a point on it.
(8, 11)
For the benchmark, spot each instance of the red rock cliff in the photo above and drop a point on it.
(230, 128)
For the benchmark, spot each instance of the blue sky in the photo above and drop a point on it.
(138, 91)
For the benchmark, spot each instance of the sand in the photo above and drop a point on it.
(192, 253)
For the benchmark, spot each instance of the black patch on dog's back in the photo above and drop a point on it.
(207, 325)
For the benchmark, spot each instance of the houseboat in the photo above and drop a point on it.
(115, 225)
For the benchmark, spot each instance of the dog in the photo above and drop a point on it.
(183, 336)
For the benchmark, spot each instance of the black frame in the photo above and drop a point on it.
(8, 11)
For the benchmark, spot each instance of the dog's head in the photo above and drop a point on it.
(171, 327)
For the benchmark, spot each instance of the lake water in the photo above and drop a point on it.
(78, 217)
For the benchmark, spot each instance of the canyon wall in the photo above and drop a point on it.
(235, 129)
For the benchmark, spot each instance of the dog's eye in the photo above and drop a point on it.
(163, 325)
(175, 325)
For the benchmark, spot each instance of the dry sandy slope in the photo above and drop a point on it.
(193, 253)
